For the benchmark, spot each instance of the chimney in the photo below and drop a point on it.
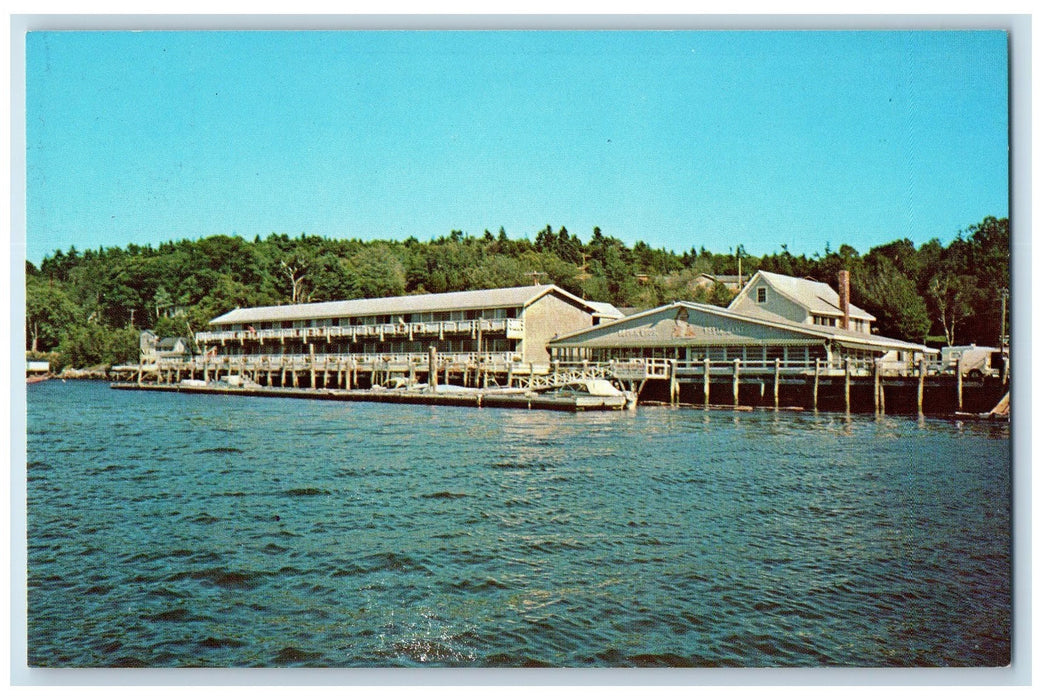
(844, 298)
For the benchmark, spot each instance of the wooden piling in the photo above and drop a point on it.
(674, 385)
(432, 367)
(705, 381)
(958, 381)
(737, 373)
(817, 378)
(922, 385)
(875, 386)
(846, 385)
(311, 361)
(777, 378)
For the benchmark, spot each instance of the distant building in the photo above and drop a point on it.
(511, 325)
(37, 367)
(707, 281)
(154, 349)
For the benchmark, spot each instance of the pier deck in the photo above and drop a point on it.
(478, 399)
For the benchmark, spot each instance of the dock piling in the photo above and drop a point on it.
(705, 381)
(958, 381)
(846, 385)
(876, 386)
(737, 373)
(817, 377)
(777, 377)
(432, 368)
(922, 385)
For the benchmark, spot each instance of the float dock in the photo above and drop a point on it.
(478, 399)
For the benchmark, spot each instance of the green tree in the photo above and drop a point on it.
(952, 297)
(48, 312)
(887, 293)
(375, 272)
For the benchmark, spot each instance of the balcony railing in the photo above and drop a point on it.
(512, 327)
(660, 368)
(360, 360)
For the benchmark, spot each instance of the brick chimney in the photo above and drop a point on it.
(844, 298)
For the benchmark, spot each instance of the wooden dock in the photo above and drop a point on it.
(846, 386)
(476, 399)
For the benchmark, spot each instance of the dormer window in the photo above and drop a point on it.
(761, 295)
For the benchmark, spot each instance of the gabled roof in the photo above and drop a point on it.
(170, 343)
(723, 279)
(605, 310)
(417, 303)
(816, 297)
(848, 338)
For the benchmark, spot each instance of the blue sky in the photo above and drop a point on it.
(679, 139)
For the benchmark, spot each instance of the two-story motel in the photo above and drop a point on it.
(496, 326)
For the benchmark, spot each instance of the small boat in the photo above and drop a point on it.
(238, 382)
(594, 389)
(36, 378)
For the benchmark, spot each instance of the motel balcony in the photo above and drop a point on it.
(366, 361)
(513, 328)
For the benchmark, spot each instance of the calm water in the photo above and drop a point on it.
(169, 530)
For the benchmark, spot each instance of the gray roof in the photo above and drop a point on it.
(816, 297)
(417, 303)
(605, 310)
(850, 338)
(725, 279)
(170, 343)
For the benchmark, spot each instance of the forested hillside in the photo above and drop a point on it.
(88, 307)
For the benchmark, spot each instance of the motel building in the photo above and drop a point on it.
(494, 331)
(776, 324)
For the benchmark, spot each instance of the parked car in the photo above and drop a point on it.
(977, 361)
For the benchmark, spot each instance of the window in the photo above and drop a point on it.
(761, 295)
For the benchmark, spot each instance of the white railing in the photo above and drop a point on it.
(661, 368)
(379, 360)
(513, 327)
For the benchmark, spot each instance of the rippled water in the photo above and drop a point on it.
(174, 530)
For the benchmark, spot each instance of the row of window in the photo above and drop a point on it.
(398, 347)
(424, 317)
(769, 353)
(833, 322)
